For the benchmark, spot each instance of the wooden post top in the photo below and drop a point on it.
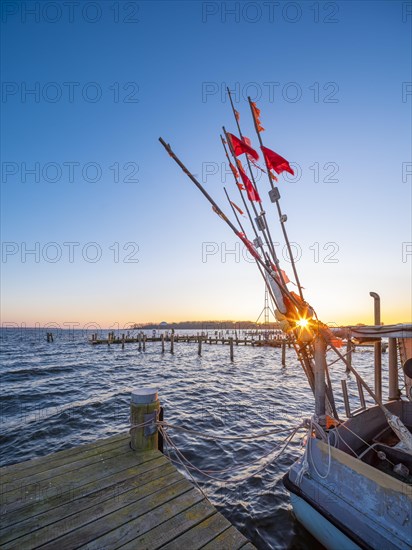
(144, 395)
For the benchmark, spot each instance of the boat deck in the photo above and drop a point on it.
(105, 496)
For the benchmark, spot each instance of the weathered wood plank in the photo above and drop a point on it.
(26, 493)
(201, 534)
(111, 522)
(14, 511)
(66, 454)
(229, 539)
(106, 496)
(172, 528)
(98, 458)
(59, 467)
(19, 525)
(91, 520)
(152, 518)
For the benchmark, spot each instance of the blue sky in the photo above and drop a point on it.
(331, 80)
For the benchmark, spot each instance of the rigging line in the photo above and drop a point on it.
(366, 443)
(339, 358)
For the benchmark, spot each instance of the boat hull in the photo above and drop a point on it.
(318, 525)
(357, 493)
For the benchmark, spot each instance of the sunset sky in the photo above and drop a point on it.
(119, 234)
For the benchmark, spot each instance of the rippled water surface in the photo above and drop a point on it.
(61, 394)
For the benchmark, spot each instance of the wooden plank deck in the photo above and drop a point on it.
(105, 496)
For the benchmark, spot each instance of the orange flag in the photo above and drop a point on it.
(256, 114)
(237, 208)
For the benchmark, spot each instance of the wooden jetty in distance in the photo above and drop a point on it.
(105, 495)
(253, 340)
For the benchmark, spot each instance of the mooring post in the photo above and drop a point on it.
(320, 380)
(377, 346)
(144, 342)
(144, 409)
(349, 349)
(199, 349)
(123, 338)
(393, 369)
(163, 343)
(172, 342)
(283, 354)
(231, 349)
(139, 339)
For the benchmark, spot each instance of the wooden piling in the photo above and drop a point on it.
(283, 354)
(393, 369)
(231, 349)
(172, 341)
(144, 409)
(123, 338)
(163, 343)
(144, 342)
(139, 339)
(349, 350)
(199, 349)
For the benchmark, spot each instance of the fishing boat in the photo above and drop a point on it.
(352, 487)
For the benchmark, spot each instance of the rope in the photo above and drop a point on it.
(312, 422)
(166, 438)
(166, 425)
(239, 467)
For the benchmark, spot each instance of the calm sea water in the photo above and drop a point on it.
(61, 394)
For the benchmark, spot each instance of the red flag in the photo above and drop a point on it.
(275, 161)
(248, 245)
(252, 193)
(241, 186)
(249, 156)
(256, 115)
(237, 115)
(237, 208)
(240, 147)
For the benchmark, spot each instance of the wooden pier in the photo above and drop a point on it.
(104, 495)
(259, 340)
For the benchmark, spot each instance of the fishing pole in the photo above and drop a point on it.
(276, 272)
(258, 240)
(274, 197)
(261, 226)
(243, 230)
(243, 238)
(262, 216)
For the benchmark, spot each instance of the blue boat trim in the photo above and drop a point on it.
(292, 488)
